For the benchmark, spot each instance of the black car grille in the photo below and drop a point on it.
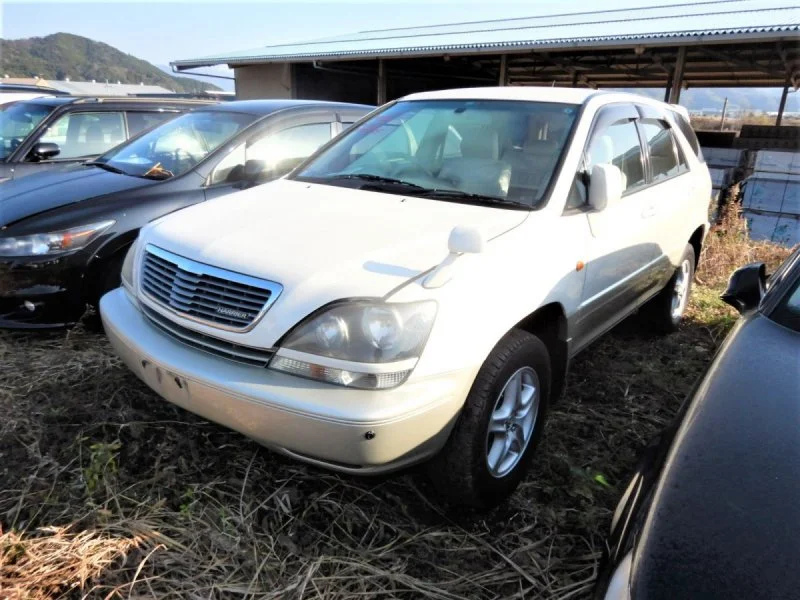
(204, 293)
(256, 357)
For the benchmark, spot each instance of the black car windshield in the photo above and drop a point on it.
(17, 121)
(787, 313)
(176, 146)
(497, 151)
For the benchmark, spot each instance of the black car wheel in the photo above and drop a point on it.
(491, 445)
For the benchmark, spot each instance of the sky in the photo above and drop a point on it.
(160, 32)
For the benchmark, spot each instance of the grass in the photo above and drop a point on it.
(106, 491)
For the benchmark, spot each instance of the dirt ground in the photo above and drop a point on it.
(106, 491)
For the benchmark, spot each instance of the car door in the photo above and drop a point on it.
(670, 187)
(278, 146)
(623, 242)
(80, 135)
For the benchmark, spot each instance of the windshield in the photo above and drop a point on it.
(176, 146)
(501, 151)
(17, 121)
(787, 312)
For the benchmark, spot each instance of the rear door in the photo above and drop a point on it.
(279, 144)
(670, 202)
(623, 245)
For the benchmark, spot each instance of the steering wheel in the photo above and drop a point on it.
(413, 168)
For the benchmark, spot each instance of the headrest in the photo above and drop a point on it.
(479, 141)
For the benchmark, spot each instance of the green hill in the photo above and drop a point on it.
(63, 55)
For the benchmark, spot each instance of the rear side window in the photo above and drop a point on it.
(142, 121)
(664, 162)
(689, 134)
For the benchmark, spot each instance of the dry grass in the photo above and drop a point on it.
(106, 491)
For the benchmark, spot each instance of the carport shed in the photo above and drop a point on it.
(725, 43)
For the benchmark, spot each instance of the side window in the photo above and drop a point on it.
(664, 161)
(617, 144)
(86, 134)
(280, 152)
(231, 168)
(689, 134)
(284, 150)
(142, 121)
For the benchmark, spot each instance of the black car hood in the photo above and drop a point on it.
(27, 196)
(725, 518)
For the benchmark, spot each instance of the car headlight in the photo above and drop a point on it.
(127, 267)
(56, 242)
(367, 344)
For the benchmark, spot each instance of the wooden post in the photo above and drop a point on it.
(782, 105)
(677, 76)
(381, 96)
(503, 79)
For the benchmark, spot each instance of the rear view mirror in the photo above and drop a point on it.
(605, 185)
(44, 151)
(746, 287)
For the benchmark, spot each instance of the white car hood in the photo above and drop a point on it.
(320, 242)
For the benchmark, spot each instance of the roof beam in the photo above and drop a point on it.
(747, 65)
(570, 70)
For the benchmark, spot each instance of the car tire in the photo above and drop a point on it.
(110, 279)
(480, 467)
(664, 312)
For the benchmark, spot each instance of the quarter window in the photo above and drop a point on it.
(664, 161)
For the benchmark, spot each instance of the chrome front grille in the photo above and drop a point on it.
(256, 357)
(206, 294)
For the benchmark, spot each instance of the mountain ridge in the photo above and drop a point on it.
(61, 55)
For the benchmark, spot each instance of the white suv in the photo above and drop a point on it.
(416, 290)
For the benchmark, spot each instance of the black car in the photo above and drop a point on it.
(44, 133)
(64, 232)
(713, 510)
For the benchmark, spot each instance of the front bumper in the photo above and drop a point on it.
(41, 292)
(356, 431)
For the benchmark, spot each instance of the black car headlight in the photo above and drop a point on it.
(53, 243)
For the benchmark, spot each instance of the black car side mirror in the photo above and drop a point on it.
(44, 151)
(254, 170)
(746, 287)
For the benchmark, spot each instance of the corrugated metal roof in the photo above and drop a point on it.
(662, 25)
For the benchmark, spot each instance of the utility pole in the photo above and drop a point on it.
(724, 111)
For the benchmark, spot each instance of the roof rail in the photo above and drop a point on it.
(134, 100)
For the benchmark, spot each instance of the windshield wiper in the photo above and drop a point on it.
(369, 177)
(106, 166)
(459, 196)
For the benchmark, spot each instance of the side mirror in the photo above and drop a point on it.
(254, 170)
(746, 287)
(44, 151)
(605, 185)
(465, 240)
